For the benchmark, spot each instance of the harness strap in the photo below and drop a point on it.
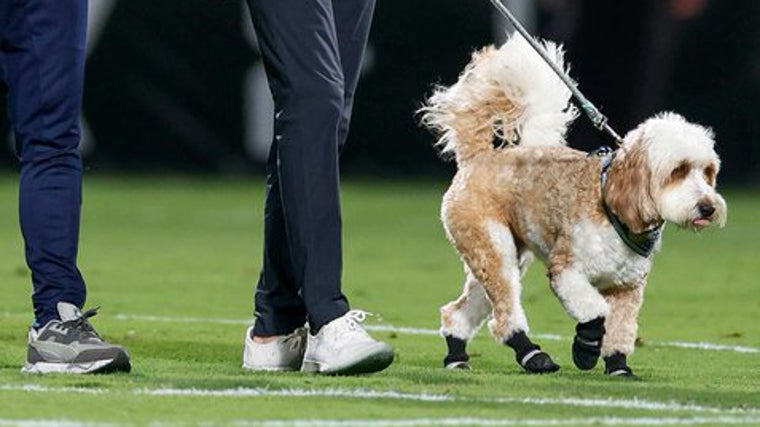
(642, 243)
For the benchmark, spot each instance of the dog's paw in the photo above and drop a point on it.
(616, 365)
(587, 345)
(529, 355)
(538, 362)
(457, 356)
(461, 365)
(585, 353)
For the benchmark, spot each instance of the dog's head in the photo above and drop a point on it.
(667, 170)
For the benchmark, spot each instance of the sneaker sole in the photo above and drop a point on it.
(118, 364)
(254, 368)
(373, 362)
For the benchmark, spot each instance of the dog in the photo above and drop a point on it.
(594, 220)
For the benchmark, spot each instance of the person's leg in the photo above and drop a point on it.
(276, 341)
(299, 46)
(279, 309)
(353, 19)
(44, 51)
(302, 56)
(5, 8)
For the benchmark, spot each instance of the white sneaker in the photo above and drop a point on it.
(343, 347)
(285, 353)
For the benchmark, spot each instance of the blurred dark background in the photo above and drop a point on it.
(179, 86)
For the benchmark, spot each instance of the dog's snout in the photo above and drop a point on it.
(706, 209)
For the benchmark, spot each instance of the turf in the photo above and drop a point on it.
(173, 261)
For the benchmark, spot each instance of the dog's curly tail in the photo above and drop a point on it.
(505, 96)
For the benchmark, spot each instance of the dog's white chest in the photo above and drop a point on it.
(604, 259)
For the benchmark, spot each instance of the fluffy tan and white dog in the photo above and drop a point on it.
(593, 220)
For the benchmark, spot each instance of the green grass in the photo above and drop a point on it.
(178, 247)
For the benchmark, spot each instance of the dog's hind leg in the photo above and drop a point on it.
(621, 326)
(490, 252)
(461, 319)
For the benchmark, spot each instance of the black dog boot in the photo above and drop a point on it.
(616, 365)
(530, 356)
(587, 345)
(457, 357)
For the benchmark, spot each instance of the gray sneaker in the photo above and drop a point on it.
(71, 345)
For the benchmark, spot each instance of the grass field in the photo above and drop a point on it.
(172, 261)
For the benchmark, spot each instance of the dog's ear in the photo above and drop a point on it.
(629, 189)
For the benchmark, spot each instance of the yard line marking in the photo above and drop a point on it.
(422, 422)
(432, 332)
(53, 423)
(390, 394)
(488, 422)
(182, 319)
(707, 346)
(44, 389)
(435, 332)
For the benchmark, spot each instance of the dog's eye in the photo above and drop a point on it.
(710, 174)
(680, 172)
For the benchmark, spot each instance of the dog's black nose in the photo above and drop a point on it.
(706, 210)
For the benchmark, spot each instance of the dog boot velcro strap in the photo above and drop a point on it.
(587, 345)
(530, 356)
(457, 357)
(616, 365)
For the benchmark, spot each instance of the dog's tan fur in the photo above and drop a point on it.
(534, 195)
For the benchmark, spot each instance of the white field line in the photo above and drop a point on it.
(54, 423)
(422, 422)
(638, 404)
(415, 422)
(424, 331)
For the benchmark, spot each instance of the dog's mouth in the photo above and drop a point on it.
(704, 215)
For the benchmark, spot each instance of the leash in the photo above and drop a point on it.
(597, 118)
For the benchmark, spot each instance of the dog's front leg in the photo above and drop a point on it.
(621, 326)
(585, 304)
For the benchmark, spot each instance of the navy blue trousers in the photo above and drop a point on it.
(312, 52)
(42, 54)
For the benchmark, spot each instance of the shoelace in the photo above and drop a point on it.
(355, 317)
(81, 322)
(348, 326)
(351, 325)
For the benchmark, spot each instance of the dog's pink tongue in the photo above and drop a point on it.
(701, 222)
